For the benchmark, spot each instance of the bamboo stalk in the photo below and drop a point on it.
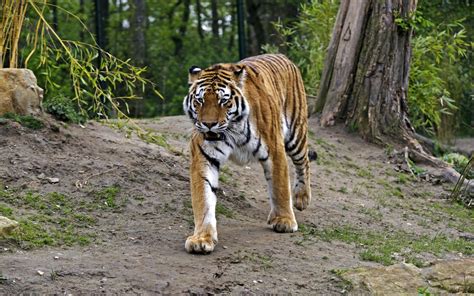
(12, 17)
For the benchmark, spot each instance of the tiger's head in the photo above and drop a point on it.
(215, 101)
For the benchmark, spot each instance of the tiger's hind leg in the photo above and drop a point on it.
(281, 217)
(297, 150)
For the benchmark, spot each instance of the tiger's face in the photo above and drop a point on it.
(215, 101)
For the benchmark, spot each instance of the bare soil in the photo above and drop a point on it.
(138, 247)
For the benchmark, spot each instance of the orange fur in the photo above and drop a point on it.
(253, 110)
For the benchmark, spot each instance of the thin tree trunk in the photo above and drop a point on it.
(365, 80)
(255, 28)
(178, 38)
(199, 19)
(215, 19)
(138, 26)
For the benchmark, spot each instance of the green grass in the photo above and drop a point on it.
(264, 261)
(25, 120)
(380, 246)
(364, 173)
(54, 219)
(343, 189)
(225, 175)
(5, 211)
(107, 197)
(224, 211)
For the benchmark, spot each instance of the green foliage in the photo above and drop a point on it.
(308, 40)
(98, 83)
(25, 120)
(63, 109)
(434, 54)
(459, 162)
(460, 191)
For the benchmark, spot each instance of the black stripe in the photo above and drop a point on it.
(243, 104)
(219, 150)
(247, 135)
(263, 158)
(258, 147)
(298, 151)
(228, 143)
(299, 159)
(214, 189)
(214, 162)
(238, 118)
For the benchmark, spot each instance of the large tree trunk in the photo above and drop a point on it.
(365, 79)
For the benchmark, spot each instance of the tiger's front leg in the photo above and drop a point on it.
(204, 182)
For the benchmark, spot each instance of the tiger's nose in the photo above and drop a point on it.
(209, 124)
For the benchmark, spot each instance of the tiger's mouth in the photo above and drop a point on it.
(211, 136)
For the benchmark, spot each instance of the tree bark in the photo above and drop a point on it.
(199, 19)
(215, 20)
(365, 78)
(178, 38)
(138, 26)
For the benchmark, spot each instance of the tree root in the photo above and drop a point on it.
(445, 171)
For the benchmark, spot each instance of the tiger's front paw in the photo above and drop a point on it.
(200, 244)
(282, 224)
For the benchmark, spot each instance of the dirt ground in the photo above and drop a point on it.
(366, 211)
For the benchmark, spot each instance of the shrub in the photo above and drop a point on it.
(63, 109)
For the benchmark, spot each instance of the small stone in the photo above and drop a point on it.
(254, 281)
(53, 180)
(224, 247)
(40, 272)
(260, 281)
(41, 176)
(56, 257)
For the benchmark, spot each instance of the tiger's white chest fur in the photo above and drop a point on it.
(242, 145)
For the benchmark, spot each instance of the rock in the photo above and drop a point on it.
(19, 92)
(444, 276)
(53, 180)
(7, 225)
(392, 280)
(453, 276)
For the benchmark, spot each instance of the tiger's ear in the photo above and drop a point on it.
(239, 73)
(194, 72)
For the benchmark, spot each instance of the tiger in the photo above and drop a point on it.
(252, 110)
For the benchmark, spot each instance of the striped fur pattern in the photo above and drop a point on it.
(254, 110)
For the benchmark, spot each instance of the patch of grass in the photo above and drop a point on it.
(403, 178)
(224, 211)
(264, 261)
(145, 134)
(381, 246)
(364, 173)
(343, 189)
(25, 120)
(461, 216)
(108, 197)
(372, 213)
(352, 165)
(225, 175)
(396, 192)
(384, 183)
(389, 149)
(321, 142)
(52, 219)
(6, 211)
